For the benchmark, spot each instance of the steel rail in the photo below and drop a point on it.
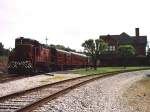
(52, 95)
(31, 107)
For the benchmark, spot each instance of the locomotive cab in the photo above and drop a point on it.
(29, 56)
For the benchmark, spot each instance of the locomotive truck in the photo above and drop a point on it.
(30, 56)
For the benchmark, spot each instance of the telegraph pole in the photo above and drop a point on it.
(46, 40)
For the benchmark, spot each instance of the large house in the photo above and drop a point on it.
(114, 41)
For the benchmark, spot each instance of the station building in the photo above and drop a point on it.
(111, 58)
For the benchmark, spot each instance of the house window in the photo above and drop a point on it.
(111, 48)
(107, 49)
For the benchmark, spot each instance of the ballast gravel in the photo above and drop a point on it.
(102, 95)
(33, 81)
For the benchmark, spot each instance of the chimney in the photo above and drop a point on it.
(137, 32)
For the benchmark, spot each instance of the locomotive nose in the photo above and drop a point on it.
(21, 60)
(20, 67)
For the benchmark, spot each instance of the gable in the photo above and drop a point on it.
(108, 39)
(124, 38)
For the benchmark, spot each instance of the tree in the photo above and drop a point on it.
(126, 51)
(62, 48)
(1, 49)
(94, 48)
(148, 53)
(69, 49)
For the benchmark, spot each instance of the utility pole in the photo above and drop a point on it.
(46, 40)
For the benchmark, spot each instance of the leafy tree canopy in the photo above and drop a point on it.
(148, 52)
(94, 48)
(126, 50)
(3, 51)
(62, 48)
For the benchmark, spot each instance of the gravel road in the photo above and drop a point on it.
(103, 95)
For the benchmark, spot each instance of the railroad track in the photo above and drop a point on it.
(7, 77)
(28, 100)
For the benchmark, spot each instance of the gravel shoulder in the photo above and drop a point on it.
(31, 82)
(103, 95)
(138, 95)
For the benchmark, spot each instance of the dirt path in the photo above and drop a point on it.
(104, 95)
(137, 95)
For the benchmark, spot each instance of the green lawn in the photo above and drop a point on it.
(103, 70)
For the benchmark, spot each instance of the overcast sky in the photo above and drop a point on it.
(70, 22)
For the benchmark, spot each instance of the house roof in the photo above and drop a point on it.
(124, 38)
(141, 39)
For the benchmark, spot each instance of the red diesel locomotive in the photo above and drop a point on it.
(29, 56)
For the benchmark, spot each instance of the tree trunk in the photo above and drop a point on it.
(125, 62)
(95, 64)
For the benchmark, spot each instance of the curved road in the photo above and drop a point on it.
(104, 95)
